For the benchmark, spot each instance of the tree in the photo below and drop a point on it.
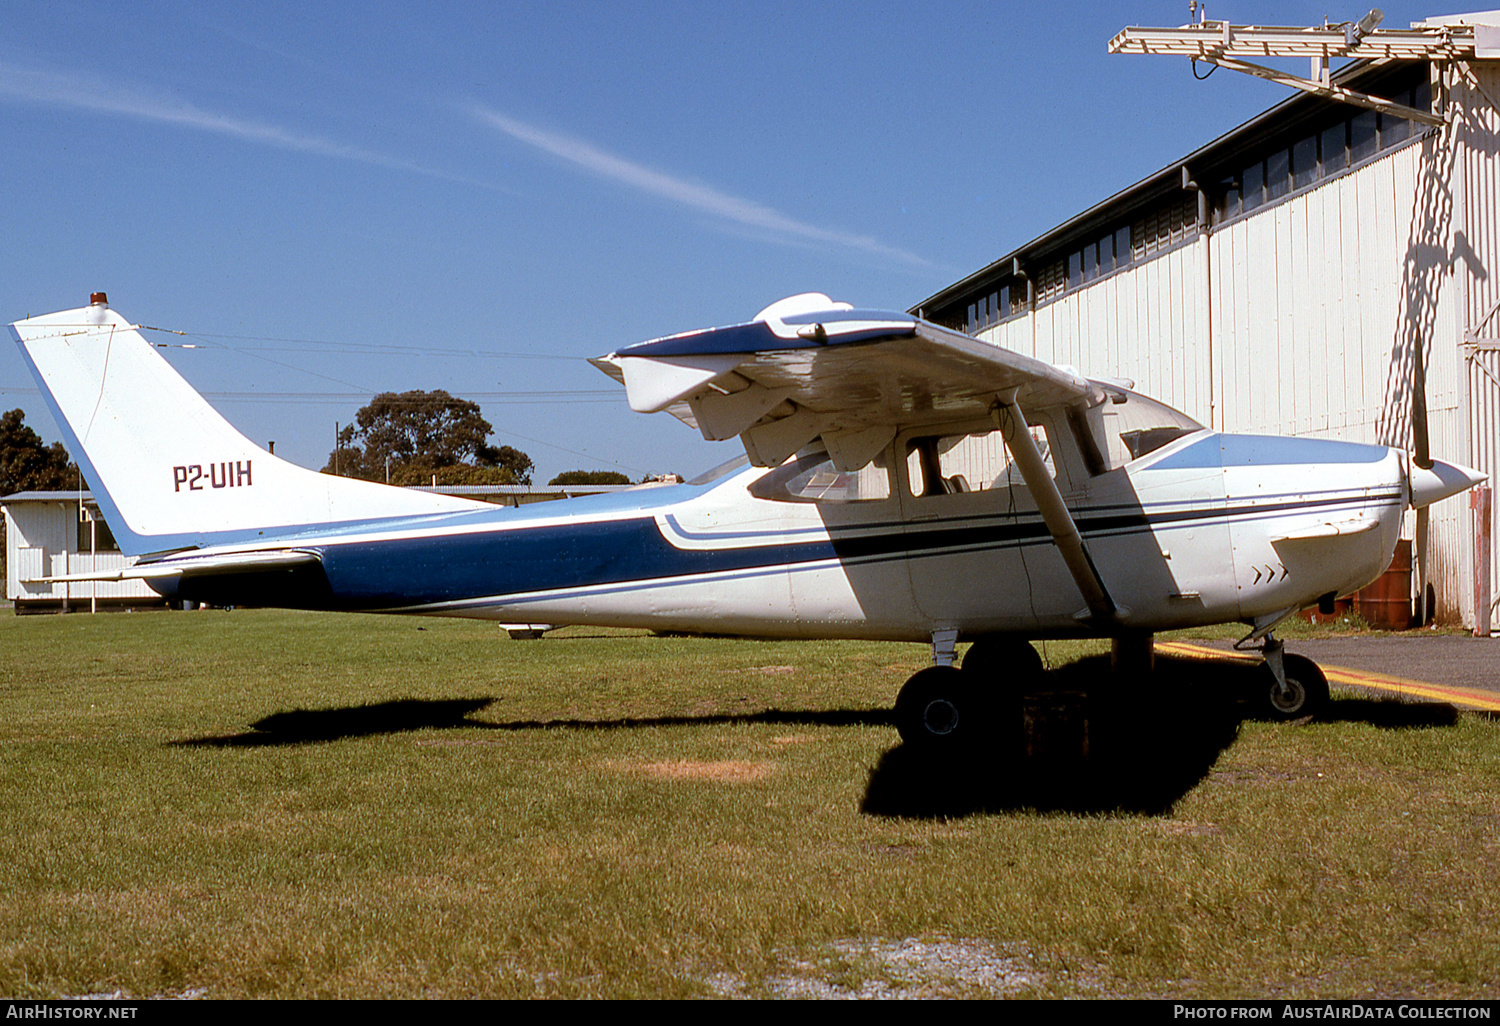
(414, 436)
(590, 477)
(28, 465)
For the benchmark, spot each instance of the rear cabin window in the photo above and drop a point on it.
(724, 469)
(812, 477)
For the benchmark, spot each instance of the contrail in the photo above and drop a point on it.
(63, 90)
(699, 197)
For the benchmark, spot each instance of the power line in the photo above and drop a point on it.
(362, 347)
(527, 398)
(342, 398)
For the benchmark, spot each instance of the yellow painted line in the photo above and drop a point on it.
(1471, 698)
(1183, 648)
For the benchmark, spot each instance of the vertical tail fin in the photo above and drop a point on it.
(167, 470)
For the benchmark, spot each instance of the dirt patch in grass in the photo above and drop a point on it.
(793, 739)
(1187, 828)
(731, 771)
(467, 743)
(906, 852)
(1254, 776)
(191, 994)
(769, 670)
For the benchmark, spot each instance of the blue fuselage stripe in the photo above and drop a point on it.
(448, 568)
(385, 573)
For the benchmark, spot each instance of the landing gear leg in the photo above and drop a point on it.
(943, 642)
(1273, 651)
(1133, 655)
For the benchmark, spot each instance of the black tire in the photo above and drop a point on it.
(1307, 690)
(939, 710)
(1003, 671)
(1008, 663)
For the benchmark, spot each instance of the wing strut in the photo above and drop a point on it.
(1049, 501)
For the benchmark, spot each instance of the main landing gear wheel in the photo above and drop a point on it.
(1005, 671)
(1306, 691)
(1009, 663)
(939, 709)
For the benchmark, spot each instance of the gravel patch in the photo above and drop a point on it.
(861, 969)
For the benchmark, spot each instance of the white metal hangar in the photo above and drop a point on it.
(1300, 274)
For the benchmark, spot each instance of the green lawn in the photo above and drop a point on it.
(429, 809)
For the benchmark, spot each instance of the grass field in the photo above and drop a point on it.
(307, 805)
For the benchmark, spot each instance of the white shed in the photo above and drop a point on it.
(50, 534)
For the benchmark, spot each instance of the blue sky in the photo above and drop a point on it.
(339, 199)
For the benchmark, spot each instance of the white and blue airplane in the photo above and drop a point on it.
(900, 481)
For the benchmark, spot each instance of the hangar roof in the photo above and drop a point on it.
(1210, 166)
(67, 496)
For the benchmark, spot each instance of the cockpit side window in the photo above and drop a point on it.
(812, 477)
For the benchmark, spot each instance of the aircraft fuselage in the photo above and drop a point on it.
(1210, 528)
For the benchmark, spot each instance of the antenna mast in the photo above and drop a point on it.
(1224, 45)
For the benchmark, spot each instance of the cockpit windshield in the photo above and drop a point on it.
(1135, 425)
(724, 469)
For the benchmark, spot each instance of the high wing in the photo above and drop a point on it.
(807, 367)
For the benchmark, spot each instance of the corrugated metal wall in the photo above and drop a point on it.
(1475, 96)
(1304, 317)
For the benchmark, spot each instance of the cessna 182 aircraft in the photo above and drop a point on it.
(900, 481)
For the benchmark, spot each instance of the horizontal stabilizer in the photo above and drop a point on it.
(195, 566)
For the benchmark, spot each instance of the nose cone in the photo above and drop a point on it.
(1441, 481)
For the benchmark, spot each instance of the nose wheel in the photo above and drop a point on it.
(1294, 686)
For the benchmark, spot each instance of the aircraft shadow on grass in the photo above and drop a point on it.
(1393, 713)
(1108, 747)
(307, 726)
(1100, 746)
